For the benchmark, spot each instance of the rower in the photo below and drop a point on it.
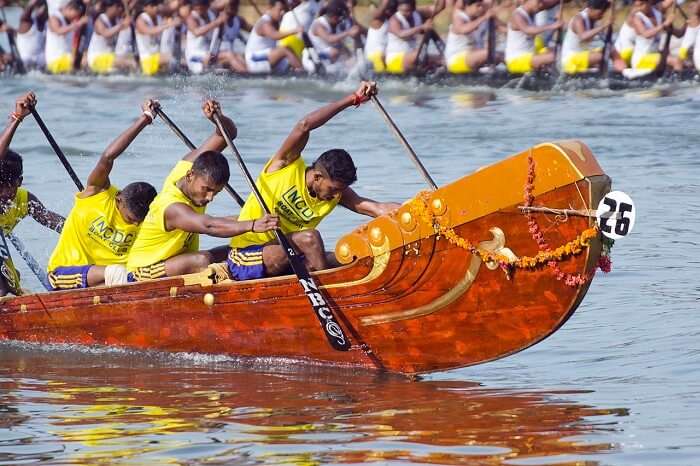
(687, 50)
(520, 55)
(101, 228)
(377, 33)
(302, 196)
(305, 12)
(404, 28)
(59, 36)
(227, 55)
(168, 242)
(149, 27)
(31, 34)
(201, 24)
(648, 23)
(466, 49)
(549, 12)
(262, 54)
(582, 29)
(626, 38)
(327, 37)
(15, 201)
(101, 53)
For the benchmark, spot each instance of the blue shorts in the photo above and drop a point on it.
(69, 278)
(246, 263)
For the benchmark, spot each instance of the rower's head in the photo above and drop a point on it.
(11, 172)
(200, 6)
(150, 7)
(113, 8)
(532, 6)
(277, 10)
(207, 177)
(73, 10)
(473, 8)
(391, 7)
(597, 8)
(331, 174)
(232, 7)
(335, 12)
(133, 201)
(406, 7)
(664, 5)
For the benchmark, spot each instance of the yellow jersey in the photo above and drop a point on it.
(154, 243)
(285, 192)
(95, 233)
(16, 211)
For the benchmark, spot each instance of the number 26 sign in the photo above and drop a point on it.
(615, 215)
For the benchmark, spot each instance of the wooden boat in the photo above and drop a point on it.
(412, 295)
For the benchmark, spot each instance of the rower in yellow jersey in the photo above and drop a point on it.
(302, 196)
(15, 201)
(103, 223)
(168, 242)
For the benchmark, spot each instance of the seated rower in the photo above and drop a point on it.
(327, 38)
(227, 55)
(549, 12)
(101, 228)
(31, 34)
(520, 55)
(262, 54)
(688, 50)
(377, 32)
(626, 37)
(466, 49)
(59, 36)
(201, 24)
(149, 27)
(649, 24)
(405, 26)
(101, 53)
(15, 201)
(301, 15)
(168, 242)
(302, 196)
(582, 29)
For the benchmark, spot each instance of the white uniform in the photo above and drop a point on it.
(395, 44)
(54, 6)
(458, 44)
(544, 17)
(571, 45)
(58, 46)
(148, 45)
(124, 45)
(305, 12)
(644, 46)
(624, 43)
(517, 42)
(376, 41)
(100, 45)
(197, 47)
(696, 52)
(31, 45)
(258, 48)
(688, 41)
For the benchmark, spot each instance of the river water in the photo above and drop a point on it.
(618, 384)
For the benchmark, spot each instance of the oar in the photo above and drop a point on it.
(216, 46)
(177, 48)
(14, 51)
(491, 38)
(255, 6)
(560, 34)
(58, 151)
(426, 36)
(33, 265)
(405, 143)
(321, 307)
(661, 67)
(604, 66)
(171, 124)
(10, 273)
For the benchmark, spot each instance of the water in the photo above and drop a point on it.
(618, 384)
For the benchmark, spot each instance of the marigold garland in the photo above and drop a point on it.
(419, 207)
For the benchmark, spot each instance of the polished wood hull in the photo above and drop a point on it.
(410, 300)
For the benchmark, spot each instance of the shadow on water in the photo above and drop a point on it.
(70, 407)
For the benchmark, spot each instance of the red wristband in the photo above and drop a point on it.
(16, 116)
(358, 99)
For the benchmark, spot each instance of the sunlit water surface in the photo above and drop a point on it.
(618, 384)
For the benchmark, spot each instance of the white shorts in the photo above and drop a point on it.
(259, 62)
(195, 64)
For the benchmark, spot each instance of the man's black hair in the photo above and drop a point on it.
(471, 2)
(77, 5)
(11, 168)
(336, 8)
(109, 3)
(598, 4)
(213, 165)
(200, 3)
(272, 3)
(406, 2)
(137, 197)
(339, 166)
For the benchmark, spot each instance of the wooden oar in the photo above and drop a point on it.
(216, 46)
(33, 265)
(58, 151)
(560, 34)
(255, 6)
(9, 270)
(176, 65)
(171, 124)
(425, 37)
(17, 62)
(604, 66)
(661, 67)
(491, 41)
(321, 307)
(405, 143)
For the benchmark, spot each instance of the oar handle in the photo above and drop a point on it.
(33, 265)
(58, 150)
(319, 303)
(405, 143)
(171, 124)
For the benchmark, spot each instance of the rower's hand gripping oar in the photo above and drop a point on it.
(171, 124)
(57, 150)
(334, 332)
(404, 142)
(17, 62)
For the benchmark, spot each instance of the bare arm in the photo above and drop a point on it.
(23, 107)
(44, 216)
(56, 28)
(365, 206)
(296, 141)
(104, 31)
(641, 29)
(395, 28)
(327, 36)
(379, 14)
(585, 36)
(181, 217)
(460, 26)
(216, 141)
(25, 21)
(194, 27)
(519, 24)
(432, 10)
(266, 29)
(98, 180)
(145, 29)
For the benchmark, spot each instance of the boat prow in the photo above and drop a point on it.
(457, 276)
